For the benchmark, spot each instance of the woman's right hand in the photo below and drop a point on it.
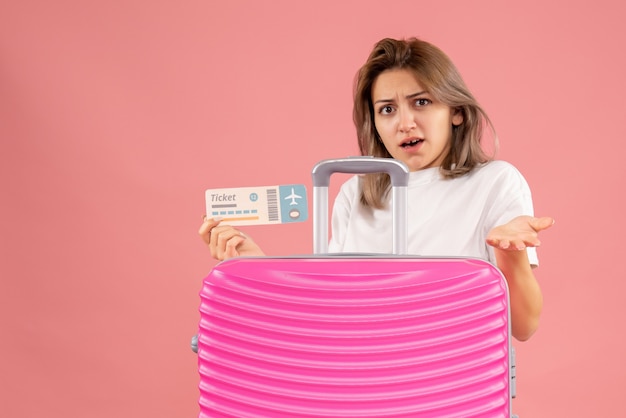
(225, 241)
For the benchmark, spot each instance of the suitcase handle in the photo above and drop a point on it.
(397, 170)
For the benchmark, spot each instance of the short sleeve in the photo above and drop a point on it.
(513, 199)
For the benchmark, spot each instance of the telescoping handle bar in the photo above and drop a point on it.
(397, 170)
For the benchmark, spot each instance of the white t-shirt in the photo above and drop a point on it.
(447, 217)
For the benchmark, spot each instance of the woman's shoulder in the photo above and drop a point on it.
(496, 169)
(497, 166)
(351, 187)
(499, 173)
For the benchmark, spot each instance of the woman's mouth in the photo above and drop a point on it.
(411, 143)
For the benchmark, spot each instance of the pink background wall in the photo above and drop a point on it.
(115, 116)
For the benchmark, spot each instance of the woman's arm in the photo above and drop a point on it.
(510, 241)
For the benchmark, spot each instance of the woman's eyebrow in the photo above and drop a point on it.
(384, 101)
(419, 93)
(410, 96)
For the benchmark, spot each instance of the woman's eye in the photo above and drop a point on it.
(422, 102)
(385, 110)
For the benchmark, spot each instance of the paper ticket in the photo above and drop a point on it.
(258, 205)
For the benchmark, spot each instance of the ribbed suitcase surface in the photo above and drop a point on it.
(354, 337)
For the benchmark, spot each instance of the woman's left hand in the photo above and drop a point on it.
(519, 233)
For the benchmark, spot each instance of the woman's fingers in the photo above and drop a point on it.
(232, 245)
(539, 224)
(224, 241)
(520, 233)
(207, 226)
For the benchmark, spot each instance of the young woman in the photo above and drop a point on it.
(411, 104)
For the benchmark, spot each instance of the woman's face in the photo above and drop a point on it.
(414, 127)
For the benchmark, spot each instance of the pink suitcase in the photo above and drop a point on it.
(355, 335)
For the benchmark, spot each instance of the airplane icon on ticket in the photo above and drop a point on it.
(293, 196)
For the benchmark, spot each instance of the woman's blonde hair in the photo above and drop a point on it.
(438, 75)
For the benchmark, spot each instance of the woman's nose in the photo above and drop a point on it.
(407, 121)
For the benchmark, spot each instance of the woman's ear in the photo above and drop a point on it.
(457, 116)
